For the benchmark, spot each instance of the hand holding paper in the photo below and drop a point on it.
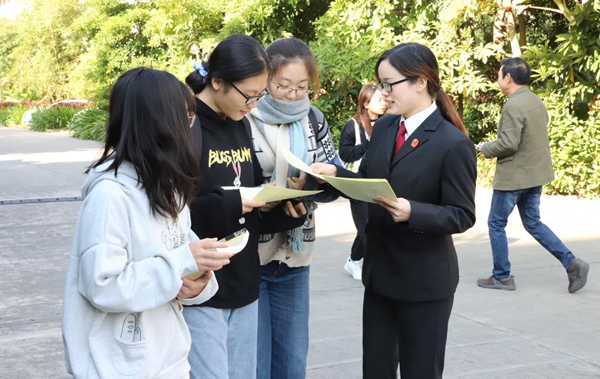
(399, 209)
(248, 204)
(297, 162)
(323, 169)
(358, 189)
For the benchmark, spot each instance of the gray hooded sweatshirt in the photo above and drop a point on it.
(121, 318)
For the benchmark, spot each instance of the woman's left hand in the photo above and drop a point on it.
(399, 208)
(192, 288)
(270, 205)
(294, 211)
(297, 182)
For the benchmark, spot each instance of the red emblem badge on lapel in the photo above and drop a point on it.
(414, 143)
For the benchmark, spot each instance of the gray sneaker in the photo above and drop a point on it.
(577, 273)
(507, 284)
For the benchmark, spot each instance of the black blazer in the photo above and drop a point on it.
(435, 170)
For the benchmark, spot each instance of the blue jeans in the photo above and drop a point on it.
(223, 342)
(528, 202)
(283, 322)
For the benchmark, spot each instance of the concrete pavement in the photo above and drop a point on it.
(538, 331)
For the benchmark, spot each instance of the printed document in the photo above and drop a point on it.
(354, 188)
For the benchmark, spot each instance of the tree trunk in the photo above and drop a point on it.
(512, 33)
(522, 30)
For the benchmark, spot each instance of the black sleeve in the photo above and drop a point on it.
(215, 211)
(349, 151)
(328, 195)
(276, 220)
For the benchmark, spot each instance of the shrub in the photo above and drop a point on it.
(574, 144)
(350, 38)
(89, 123)
(485, 171)
(11, 116)
(52, 118)
(3, 117)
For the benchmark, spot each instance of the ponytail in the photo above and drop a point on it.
(197, 79)
(446, 106)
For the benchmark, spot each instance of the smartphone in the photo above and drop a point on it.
(236, 241)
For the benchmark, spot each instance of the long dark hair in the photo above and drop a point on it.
(287, 50)
(415, 61)
(188, 97)
(362, 116)
(148, 127)
(235, 58)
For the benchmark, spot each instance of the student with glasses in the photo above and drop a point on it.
(227, 87)
(285, 118)
(410, 268)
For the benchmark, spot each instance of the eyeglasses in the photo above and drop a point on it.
(387, 87)
(284, 90)
(249, 99)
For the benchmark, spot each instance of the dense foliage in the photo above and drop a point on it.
(89, 123)
(52, 118)
(11, 115)
(71, 48)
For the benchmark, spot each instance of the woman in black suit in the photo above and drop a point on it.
(410, 269)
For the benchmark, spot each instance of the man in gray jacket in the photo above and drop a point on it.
(523, 166)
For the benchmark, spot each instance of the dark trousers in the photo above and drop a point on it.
(360, 212)
(412, 334)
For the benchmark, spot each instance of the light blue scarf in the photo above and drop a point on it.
(290, 113)
(280, 112)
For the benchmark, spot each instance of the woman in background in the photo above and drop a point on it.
(354, 143)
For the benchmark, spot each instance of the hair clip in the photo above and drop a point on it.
(198, 67)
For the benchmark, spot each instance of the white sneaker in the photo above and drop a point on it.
(353, 268)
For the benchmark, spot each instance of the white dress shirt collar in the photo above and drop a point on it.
(414, 121)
